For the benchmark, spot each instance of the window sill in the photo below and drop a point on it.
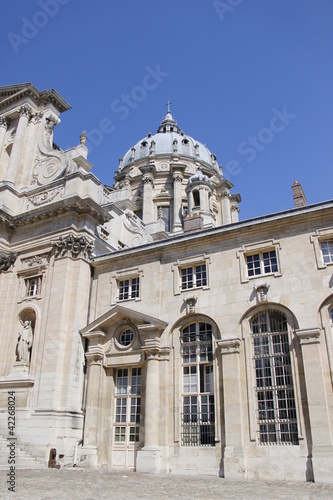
(277, 274)
(28, 299)
(135, 299)
(194, 289)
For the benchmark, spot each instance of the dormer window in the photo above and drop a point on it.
(185, 142)
(144, 144)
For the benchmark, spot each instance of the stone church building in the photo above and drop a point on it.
(143, 325)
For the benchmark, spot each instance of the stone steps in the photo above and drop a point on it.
(23, 459)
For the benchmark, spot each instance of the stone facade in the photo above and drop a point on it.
(143, 325)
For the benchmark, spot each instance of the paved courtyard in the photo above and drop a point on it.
(105, 484)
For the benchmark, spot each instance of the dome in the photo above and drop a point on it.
(169, 140)
(199, 176)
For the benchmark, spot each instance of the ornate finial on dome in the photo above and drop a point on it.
(168, 104)
(168, 124)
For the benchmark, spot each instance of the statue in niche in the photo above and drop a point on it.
(24, 344)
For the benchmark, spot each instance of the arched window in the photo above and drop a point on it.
(198, 408)
(277, 422)
(196, 198)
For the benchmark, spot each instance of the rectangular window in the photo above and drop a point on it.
(262, 263)
(127, 406)
(193, 277)
(33, 286)
(327, 251)
(119, 436)
(129, 288)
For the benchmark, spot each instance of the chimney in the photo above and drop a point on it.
(298, 194)
(193, 222)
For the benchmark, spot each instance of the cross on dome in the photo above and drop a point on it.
(168, 104)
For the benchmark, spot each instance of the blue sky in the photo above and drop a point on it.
(251, 79)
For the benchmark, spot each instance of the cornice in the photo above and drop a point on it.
(228, 230)
(11, 94)
(57, 209)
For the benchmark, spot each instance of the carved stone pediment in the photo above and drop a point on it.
(104, 336)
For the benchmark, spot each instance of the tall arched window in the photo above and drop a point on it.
(196, 198)
(277, 422)
(198, 408)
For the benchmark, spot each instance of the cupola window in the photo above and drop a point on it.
(196, 198)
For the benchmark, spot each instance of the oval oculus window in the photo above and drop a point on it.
(126, 338)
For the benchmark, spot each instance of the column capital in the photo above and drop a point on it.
(229, 345)
(177, 177)
(37, 117)
(73, 246)
(94, 358)
(224, 194)
(4, 122)
(308, 336)
(25, 110)
(148, 179)
(154, 350)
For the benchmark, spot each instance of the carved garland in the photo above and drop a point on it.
(36, 260)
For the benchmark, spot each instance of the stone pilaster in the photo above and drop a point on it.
(234, 213)
(225, 205)
(322, 449)
(30, 143)
(149, 458)
(4, 123)
(15, 157)
(177, 202)
(95, 356)
(95, 364)
(177, 177)
(148, 184)
(233, 451)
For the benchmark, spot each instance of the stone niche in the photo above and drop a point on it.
(19, 379)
